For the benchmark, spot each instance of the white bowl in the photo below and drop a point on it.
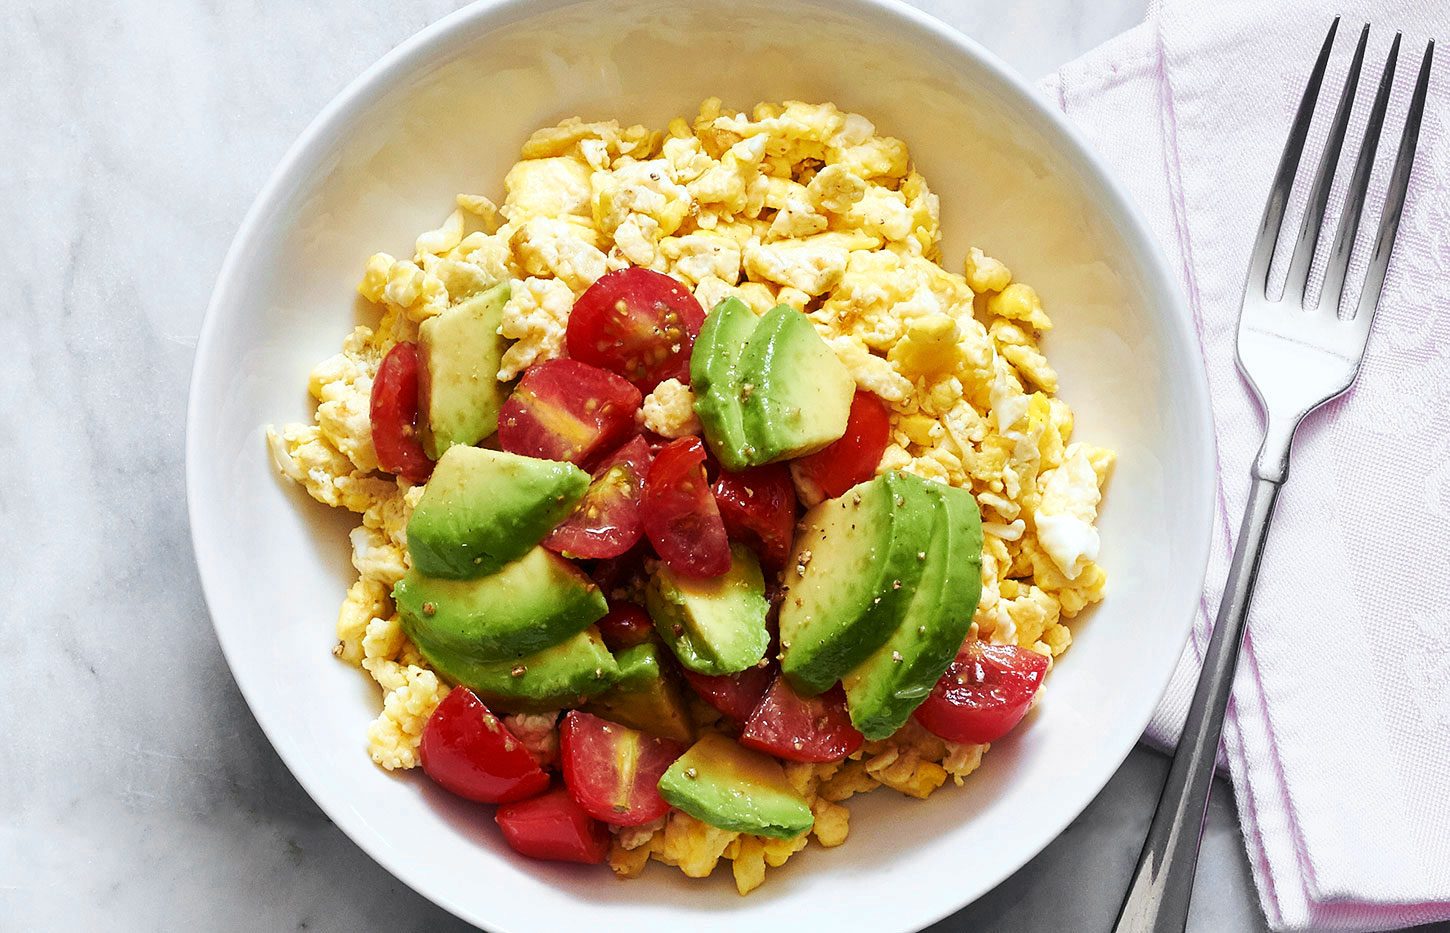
(446, 112)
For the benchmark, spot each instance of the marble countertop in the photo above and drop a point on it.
(140, 794)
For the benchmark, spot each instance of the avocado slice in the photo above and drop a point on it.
(884, 690)
(714, 625)
(716, 383)
(645, 696)
(857, 561)
(484, 508)
(459, 394)
(720, 783)
(562, 676)
(536, 602)
(795, 395)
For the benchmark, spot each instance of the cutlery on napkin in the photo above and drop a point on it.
(1338, 737)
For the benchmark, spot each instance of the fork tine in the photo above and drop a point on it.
(1268, 236)
(1304, 249)
(1374, 280)
(1354, 198)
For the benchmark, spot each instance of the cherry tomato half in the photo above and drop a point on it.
(393, 411)
(624, 626)
(852, 458)
(984, 693)
(638, 323)
(614, 771)
(568, 410)
(553, 826)
(680, 516)
(735, 695)
(758, 507)
(467, 750)
(788, 725)
(606, 522)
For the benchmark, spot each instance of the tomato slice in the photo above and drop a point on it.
(393, 411)
(568, 410)
(735, 695)
(984, 693)
(852, 458)
(788, 725)
(638, 323)
(606, 522)
(614, 771)
(758, 507)
(624, 626)
(467, 750)
(552, 826)
(680, 516)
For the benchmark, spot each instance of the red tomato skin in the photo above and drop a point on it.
(646, 339)
(589, 748)
(797, 728)
(606, 522)
(553, 827)
(624, 626)
(735, 695)
(984, 693)
(466, 749)
(680, 516)
(758, 507)
(852, 458)
(568, 410)
(393, 413)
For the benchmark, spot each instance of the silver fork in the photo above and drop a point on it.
(1296, 355)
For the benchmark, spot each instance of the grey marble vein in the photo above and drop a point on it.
(139, 794)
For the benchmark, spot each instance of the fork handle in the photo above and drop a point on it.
(1157, 901)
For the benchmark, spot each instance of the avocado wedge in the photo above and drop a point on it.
(857, 561)
(883, 690)
(795, 394)
(562, 676)
(716, 625)
(484, 508)
(531, 604)
(716, 381)
(730, 787)
(459, 393)
(646, 695)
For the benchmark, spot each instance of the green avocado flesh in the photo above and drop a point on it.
(857, 561)
(720, 783)
(536, 602)
(716, 625)
(715, 381)
(884, 690)
(795, 395)
(459, 394)
(565, 675)
(484, 508)
(645, 696)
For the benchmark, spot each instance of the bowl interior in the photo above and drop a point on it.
(446, 113)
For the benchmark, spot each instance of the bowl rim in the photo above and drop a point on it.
(313, 144)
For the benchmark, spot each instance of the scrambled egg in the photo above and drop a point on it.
(792, 202)
(669, 410)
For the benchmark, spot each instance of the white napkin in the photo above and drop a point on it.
(1338, 739)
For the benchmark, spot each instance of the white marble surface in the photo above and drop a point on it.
(138, 792)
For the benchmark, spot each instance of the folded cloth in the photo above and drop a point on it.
(1338, 736)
